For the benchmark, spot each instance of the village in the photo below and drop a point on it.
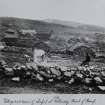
(26, 60)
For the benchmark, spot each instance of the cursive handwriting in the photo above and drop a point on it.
(50, 101)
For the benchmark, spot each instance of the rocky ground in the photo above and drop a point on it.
(32, 78)
(9, 87)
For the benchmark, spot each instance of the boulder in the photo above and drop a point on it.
(103, 74)
(45, 75)
(68, 73)
(102, 88)
(74, 68)
(51, 80)
(87, 80)
(90, 89)
(2, 62)
(79, 75)
(16, 79)
(33, 76)
(39, 77)
(32, 66)
(55, 72)
(71, 81)
(92, 67)
(48, 71)
(80, 68)
(9, 71)
(28, 73)
(98, 80)
(63, 68)
(17, 66)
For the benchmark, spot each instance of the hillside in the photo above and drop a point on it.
(77, 25)
(59, 28)
(64, 35)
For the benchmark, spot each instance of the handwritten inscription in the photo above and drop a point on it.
(56, 100)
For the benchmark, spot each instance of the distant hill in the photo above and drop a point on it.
(69, 31)
(59, 27)
(77, 25)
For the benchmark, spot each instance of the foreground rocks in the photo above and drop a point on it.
(89, 76)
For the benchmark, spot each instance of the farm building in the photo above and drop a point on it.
(10, 37)
(27, 33)
(25, 38)
(81, 50)
(10, 31)
(39, 51)
(43, 35)
(39, 34)
(23, 31)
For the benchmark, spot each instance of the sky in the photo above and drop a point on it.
(82, 11)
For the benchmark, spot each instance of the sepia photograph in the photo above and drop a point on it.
(52, 47)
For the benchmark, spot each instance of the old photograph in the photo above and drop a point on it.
(52, 47)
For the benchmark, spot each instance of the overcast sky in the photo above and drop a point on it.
(85, 11)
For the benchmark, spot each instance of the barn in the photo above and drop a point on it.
(81, 50)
